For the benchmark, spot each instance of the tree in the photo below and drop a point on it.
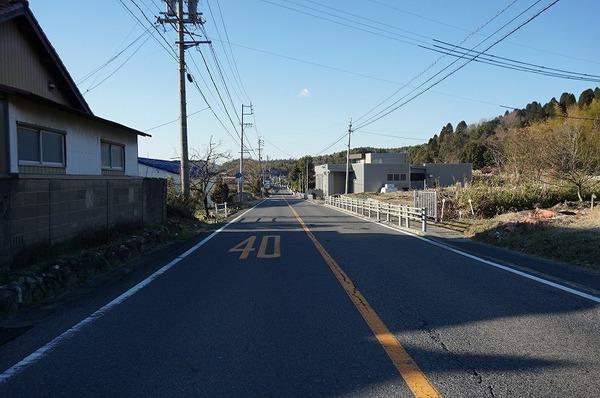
(461, 127)
(585, 98)
(220, 193)
(205, 171)
(566, 101)
(550, 109)
(573, 154)
(597, 93)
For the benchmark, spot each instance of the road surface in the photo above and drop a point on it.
(296, 299)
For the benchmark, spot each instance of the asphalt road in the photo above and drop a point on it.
(265, 309)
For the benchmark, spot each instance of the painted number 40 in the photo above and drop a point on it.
(266, 249)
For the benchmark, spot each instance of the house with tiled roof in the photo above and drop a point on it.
(46, 126)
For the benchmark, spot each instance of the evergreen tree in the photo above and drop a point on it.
(220, 194)
(586, 98)
(566, 100)
(461, 127)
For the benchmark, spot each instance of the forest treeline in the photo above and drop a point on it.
(557, 142)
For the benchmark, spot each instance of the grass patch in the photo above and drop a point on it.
(572, 239)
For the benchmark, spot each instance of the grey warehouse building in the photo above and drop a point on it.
(369, 172)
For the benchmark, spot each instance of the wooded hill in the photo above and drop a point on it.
(475, 143)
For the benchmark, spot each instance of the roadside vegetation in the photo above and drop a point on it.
(537, 172)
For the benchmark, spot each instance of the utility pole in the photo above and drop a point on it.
(306, 182)
(242, 151)
(260, 144)
(348, 156)
(175, 15)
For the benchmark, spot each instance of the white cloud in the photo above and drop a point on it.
(304, 93)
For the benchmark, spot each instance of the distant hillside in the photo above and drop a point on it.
(469, 143)
(475, 143)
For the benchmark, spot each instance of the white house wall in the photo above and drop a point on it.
(83, 136)
(153, 172)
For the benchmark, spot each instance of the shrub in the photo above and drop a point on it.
(489, 199)
(177, 204)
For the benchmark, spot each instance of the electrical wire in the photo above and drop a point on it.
(331, 145)
(231, 50)
(435, 62)
(112, 58)
(239, 91)
(118, 67)
(176, 120)
(393, 107)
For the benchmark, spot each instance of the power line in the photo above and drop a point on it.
(331, 145)
(394, 7)
(119, 67)
(278, 148)
(214, 84)
(231, 50)
(359, 18)
(516, 65)
(387, 110)
(112, 58)
(454, 46)
(498, 13)
(230, 63)
(390, 135)
(175, 120)
(344, 24)
(168, 48)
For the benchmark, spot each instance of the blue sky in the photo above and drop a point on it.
(301, 107)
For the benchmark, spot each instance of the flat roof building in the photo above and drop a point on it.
(369, 172)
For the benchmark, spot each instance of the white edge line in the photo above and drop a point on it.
(40, 352)
(482, 260)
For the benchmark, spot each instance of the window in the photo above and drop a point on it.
(37, 146)
(402, 177)
(393, 177)
(113, 156)
(390, 177)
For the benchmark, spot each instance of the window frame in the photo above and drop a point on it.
(110, 145)
(40, 130)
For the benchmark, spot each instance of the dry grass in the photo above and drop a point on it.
(573, 239)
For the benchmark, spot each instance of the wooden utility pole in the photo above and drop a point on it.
(260, 144)
(184, 162)
(176, 16)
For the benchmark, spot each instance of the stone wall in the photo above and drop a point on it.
(37, 214)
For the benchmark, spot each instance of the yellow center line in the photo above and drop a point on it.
(406, 366)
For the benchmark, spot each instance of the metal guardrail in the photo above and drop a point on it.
(401, 214)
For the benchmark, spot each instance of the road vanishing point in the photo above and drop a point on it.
(295, 299)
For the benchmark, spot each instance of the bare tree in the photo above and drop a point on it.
(205, 171)
(573, 155)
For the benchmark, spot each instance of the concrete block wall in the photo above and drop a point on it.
(39, 213)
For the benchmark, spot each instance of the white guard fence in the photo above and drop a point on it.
(404, 216)
(221, 210)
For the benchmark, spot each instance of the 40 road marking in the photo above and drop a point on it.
(247, 245)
